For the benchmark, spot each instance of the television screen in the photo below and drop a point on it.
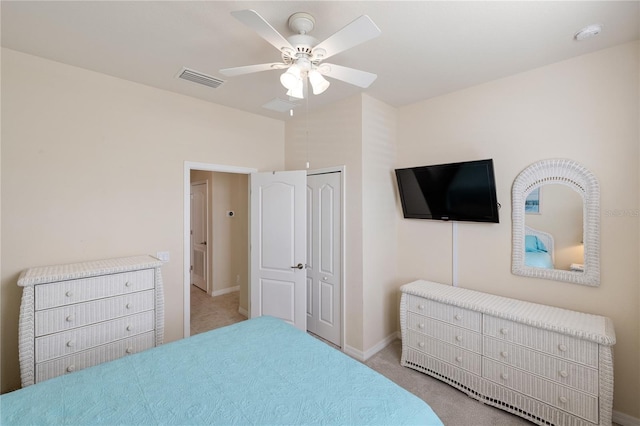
(457, 191)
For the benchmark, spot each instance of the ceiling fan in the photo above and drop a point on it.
(302, 55)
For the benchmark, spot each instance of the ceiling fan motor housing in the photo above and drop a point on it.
(301, 22)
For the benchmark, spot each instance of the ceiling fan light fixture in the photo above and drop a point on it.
(318, 82)
(297, 91)
(291, 77)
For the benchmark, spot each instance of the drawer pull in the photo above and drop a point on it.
(562, 347)
(457, 317)
(70, 318)
(504, 376)
(459, 359)
(69, 293)
(71, 368)
(504, 330)
(421, 325)
(504, 354)
(563, 399)
(421, 344)
(128, 305)
(421, 307)
(564, 374)
(127, 284)
(129, 350)
(70, 344)
(129, 328)
(458, 338)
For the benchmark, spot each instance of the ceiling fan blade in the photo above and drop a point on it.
(355, 33)
(349, 75)
(253, 20)
(232, 72)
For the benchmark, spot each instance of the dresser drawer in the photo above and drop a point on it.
(81, 314)
(453, 355)
(574, 375)
(443, 312)
(550, 342)
(76, 340)
(84, 289)
(456, 336)
(554, 394)
(95, 356)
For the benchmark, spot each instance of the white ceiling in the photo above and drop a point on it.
(427, 48)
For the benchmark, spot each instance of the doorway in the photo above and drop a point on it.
(338, 271)
(213, 250)
(199, 234)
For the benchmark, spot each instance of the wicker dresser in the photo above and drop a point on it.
(548, 365)
(77, 315)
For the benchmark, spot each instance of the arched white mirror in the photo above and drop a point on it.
(556, 223)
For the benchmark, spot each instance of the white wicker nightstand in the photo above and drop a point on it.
(548, 365)
(77, 315)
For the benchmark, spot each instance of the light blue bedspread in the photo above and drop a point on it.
(258, 372)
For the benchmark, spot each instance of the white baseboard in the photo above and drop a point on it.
(225, 291)
(624, 419)
(363, 356)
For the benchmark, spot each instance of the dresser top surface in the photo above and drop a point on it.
(70, 271)
(582, 325)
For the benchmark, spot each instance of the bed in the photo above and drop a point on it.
(259, 371)
(538, 248)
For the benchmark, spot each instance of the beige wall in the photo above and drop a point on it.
(379, 242)
(92, 167)
(240, 237)
(332, 136)
(585, 109)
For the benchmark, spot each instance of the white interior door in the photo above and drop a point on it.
(199, 232)
(324, 277)
(278, 246)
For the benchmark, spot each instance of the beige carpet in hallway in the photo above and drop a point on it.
(209, 313)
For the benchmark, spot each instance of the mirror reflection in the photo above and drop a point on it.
(553, 228)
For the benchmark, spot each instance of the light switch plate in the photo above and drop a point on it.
(163, 255)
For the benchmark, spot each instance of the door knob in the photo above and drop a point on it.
(204, 243)
(298, 266)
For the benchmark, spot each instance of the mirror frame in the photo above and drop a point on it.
(571, 174)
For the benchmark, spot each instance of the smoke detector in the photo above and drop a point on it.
(588, 32)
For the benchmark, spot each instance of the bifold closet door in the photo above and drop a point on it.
(324, 286)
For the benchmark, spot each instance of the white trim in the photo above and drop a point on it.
(624, 419)
(225, 291)
(186, 280)
(364, 356)
(343, 233)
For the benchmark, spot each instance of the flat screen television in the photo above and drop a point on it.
(463, 191)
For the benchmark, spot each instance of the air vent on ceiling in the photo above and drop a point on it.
(200, 78)
(280, 105)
